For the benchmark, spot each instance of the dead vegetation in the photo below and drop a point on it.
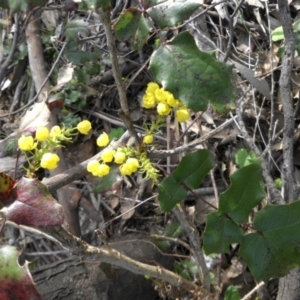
(65, 74)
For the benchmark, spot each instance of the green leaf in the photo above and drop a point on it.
(132, 24)
(190, 172)
(194, 167)
(105, 183)
(232, 293)
(170, 193)
(193, 76)
(74, 27)
(94, 4)
(21, 5)
(174, 230)
(278, 34)
(246, 191)
(274, 250)
(116, 133)
(244, 158)
(172, 12)
(220, 232)
(79, 57)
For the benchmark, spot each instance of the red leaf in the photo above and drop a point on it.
(6, 186)
(34, 205)
(15, 281)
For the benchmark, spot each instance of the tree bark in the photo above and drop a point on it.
(289, 286)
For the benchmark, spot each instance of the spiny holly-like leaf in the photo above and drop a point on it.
(172, 12)
(132, 24)
(193, 76)
(170, 193)
(34, 205)
(6, 186)
(15, 281)
(220, 233)
(275, 249)
(189, 173)
(194, 167)
(246, 191)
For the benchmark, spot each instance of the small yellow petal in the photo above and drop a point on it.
(182, 115)
(49, 161)
(103, 140)
(148, 139)
(42, 133)
(84, 126)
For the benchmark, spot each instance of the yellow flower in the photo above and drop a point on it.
(103, 170)
(171, 101)
(93, 167)
(84, 126)
(125, 170)
(55, 131)
(161, 95)
(42, 133)
(133, 164)
(182, 115)
(148, 139)
(103, 140)
(26, 143)
(107, 155)
(119, 157)
(148, 101)
(163, 109)
(49, 161)
(152, 87)
(98, 169)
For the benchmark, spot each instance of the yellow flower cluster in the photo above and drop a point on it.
(45, 142)
(165, 102)
(130, 160)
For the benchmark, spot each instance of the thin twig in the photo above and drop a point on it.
(196, 245)
(104, 15)
(248, 296)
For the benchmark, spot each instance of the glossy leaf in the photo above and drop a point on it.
(193, 76)
(132, 24)
(220, 233)
(246, 191)
(194, 167)
(34, 205)
(6, 186)
(170, 193)
(15, 281)
(275, 249)
(172, 12)
(189, 173)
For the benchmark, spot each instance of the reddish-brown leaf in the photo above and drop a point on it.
(6, 186)
(34, 205)
(15, 281)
